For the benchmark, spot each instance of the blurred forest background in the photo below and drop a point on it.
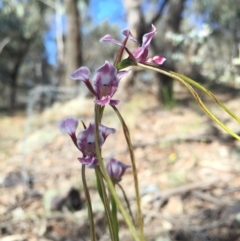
(42, 41)
(188, 167)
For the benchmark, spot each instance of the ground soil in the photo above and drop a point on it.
(188, 172)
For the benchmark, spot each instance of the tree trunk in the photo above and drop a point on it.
(73, 53)
(15, 72)
(173, 21)
(136, 24)
(13, 87)
(135, 19)
(139, 27)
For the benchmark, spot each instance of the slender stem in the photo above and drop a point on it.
(209, 93)
(135, 176)
(114, 216)
(195, 95)
(101, 110)
(100, 183)
(127, 201)
(106, 204)
(109, 182)
(89, 204)
(120, 52)
(99, 187)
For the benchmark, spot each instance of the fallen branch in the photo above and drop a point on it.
(202, 185)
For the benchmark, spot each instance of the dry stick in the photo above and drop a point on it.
(165, 195)
(207, 197)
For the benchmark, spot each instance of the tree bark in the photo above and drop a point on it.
(173, 22)
(73, 53)
(26, 44)
(135, 19)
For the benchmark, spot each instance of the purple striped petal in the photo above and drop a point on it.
(116, 169)
(89, 161)
(68, 125)
(147, 38)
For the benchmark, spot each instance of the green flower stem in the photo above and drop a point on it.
(101, 110)
(99, 187)
(127, 202)
(106, 204)
(89, 204)
(114, 216)
(209, 93)
(195, 95)
(120, 52)
(109, 182)
(135, 177)
(100, 183)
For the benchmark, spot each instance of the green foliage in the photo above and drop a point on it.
(23, 57)
(210, 45)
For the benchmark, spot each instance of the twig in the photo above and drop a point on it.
(165, 195)
(208, 197)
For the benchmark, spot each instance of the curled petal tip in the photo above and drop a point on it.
(109, 38)
(158, 59)
(82, 73)
(68, 125)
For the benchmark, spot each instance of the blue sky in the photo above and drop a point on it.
(99, 11)
(111, 10)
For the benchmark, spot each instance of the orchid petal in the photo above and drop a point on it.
(82, 73)
(123, 73)
(89, 161)
(159, 59)
(116, 169)
(105, 83)
(86, 138)
(68, 125)
(105, 132)
(147, 38)
(128, 34)
(114, 102)
(156, 59)
(103, 101)
(105, 75)
(140, 54)
(109, 38)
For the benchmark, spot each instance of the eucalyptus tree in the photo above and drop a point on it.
(220, 56)
(22, 53)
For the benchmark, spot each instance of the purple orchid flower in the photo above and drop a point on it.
(69, 125)
(116, 169)
(85, 141)
(104, 84)
(141, 53)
